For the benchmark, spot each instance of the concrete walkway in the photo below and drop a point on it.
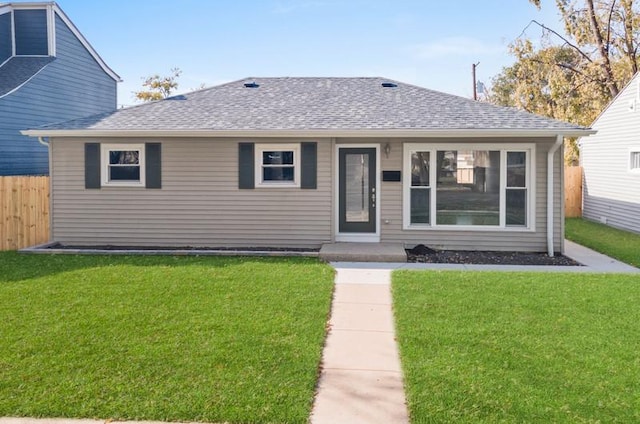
(361, 380)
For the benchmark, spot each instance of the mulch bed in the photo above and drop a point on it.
(423, 254)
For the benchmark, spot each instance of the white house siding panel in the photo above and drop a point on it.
(199, 203)
(391, 204)
(611, 193)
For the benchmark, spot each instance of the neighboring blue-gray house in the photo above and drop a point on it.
(611, 163)
(48, 73)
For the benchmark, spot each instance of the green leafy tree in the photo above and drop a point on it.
(156, 87)
(573, 75)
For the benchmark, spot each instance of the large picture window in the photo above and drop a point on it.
(277, 165)
(122, 164)
(468, 187)
(474, 186)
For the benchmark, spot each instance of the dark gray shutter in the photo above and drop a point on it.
(92, 165)
(153, 164)
(246, 168)
(309, 165)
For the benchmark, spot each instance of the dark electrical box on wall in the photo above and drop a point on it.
(391, 176)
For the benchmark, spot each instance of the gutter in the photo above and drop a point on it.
(550, 155)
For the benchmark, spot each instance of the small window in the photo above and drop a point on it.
(516, 189)
(420, 188)
(122, 165)
(634, 161)
(277, 165)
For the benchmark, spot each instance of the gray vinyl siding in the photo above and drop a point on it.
(536, 241)
(31, 32)
(611, 193)
(199, 203)
(72, 86)
(6, 48)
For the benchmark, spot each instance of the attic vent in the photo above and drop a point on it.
(389, 84)
(252, 84)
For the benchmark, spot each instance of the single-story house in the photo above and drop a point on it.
(611, 163)
(299, 162)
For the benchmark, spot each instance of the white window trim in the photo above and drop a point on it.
(260, 148)
(529, 148)
(104, 168)
(629, 167)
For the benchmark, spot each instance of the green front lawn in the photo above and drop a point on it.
(161, 338)
(622, 245)
(519, 347)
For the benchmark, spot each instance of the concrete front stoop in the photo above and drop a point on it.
(363, 252)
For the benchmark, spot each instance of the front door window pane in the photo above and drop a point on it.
(357, 187)
(468, 187)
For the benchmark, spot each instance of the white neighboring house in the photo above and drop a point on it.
(611, 163)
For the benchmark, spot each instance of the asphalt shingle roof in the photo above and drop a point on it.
(18, 70)
(314, 104)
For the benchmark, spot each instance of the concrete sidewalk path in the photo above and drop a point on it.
(361, 379)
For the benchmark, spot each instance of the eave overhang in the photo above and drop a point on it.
(322, 133)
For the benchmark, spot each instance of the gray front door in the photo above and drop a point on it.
(357, 191)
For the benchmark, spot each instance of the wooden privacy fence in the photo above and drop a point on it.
(573, 191)
(24, 212)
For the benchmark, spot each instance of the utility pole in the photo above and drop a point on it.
(473, 72)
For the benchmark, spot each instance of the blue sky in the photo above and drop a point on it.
(429, 43)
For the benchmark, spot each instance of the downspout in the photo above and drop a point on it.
(44, 143)
(550, 156)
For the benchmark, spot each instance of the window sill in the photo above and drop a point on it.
(123, 185)
(467, 228)
(278, 185)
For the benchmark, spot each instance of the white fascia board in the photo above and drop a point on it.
(29, 5)
(85, 43)
(477, 133)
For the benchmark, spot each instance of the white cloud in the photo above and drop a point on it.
(455, 46)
